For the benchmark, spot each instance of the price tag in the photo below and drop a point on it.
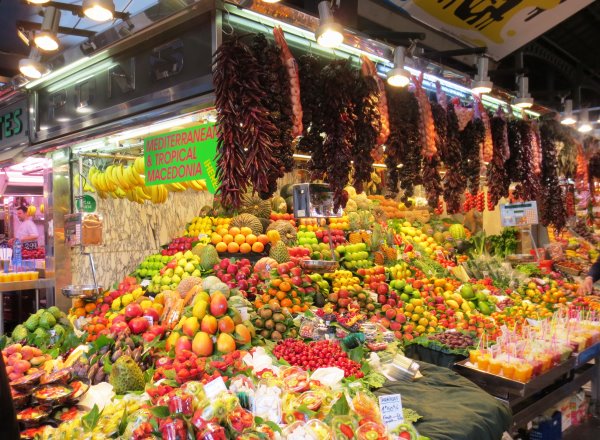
(214, 388)
(243, 313)
(150, 320)
(145, 283)
(30, 245)
(391, 410)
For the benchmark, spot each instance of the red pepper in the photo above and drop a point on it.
(347, 430)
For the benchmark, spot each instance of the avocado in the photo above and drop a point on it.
(319, 300)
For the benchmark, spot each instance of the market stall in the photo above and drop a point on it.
(253, 263)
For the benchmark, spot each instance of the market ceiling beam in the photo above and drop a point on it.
(32, 26)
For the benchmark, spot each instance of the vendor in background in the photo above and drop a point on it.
(587, 285)
(25, 229)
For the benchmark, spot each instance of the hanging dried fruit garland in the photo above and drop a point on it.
(368, 69)
(426, 125)
(432, 181)
(368, 129)
(528, 187)
(277, 100)
(403, 152)
(514, 163)
(553, 205)
(497, 176)
(487, 148)
(471, 139)
(454, 180)
(337, 115)
(310, 70)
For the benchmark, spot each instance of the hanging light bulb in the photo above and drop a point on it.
(271, 1)
(568, 118)
(585, 126)
(329, 33)
(398, 76)
(482, 83)
(47, 40)
(523, 99)
(31, 66)
(99, 10)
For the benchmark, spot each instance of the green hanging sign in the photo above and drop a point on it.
(182, 156)
(86, 204)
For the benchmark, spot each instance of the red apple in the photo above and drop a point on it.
(153, 313)
(139, 325)
(133, 310)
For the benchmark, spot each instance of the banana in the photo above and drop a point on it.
(198, 185)
(175, 187)
(108, 177)
(141, 194)
(102, 194)
(99, 182)
(163, 194)
(148, 191)
(120, 178)
(130, 174)
(129, 195)
(114, 177)
(120, 193)
(154, 194)
(138, 165)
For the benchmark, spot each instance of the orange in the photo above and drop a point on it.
(251, 238)
(239, 238)
(78, 303)
(286, 302)
(79, 311)
(274, 303)
(263, 239)
(296, 309)
(222, 231)
(246, 230)
(273, 236)
(245, 248)
(227, 238)
(257, 247)
(215, 238)
(285, 286)
(281, 295)
(276, 282)
(233, 247)
(234, 231)
(90, 307)
(221, 247)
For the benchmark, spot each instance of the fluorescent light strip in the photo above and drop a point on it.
(82, 75)
(57, 73)
(144, 131)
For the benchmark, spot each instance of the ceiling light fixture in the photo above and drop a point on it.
(31, 66)
(99, 10)
(271, 1)
(329, 33)
(585, 126)
(568, 117)
(47, 40)
(523, 99)
(482, 83)
(398, 76)
(38, 2)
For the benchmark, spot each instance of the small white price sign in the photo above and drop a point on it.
(213, 388)
(391, 410)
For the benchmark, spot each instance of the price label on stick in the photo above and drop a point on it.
(391, 410)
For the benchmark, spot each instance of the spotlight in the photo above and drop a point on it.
(568, 118)
(99, 10)
(329, 33)
(398, 76)
(271, 1)
(482, 83)
(31, 66)
(47, 39)
(585, 126)
(38, 2)
(523, 99)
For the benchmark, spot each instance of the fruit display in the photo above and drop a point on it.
(239, 240)
(354, 256)
(151, 266)
(46, 327)
(181, 266)
(179, 244)
(22, 360)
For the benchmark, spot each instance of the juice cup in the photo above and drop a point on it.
(11, 277)
(523, 372)
(547, 362)
(473, 354)
(483, 361)
(495, 366)
(508, 370)
(35, 275)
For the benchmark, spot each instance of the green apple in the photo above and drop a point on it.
(179, 271)
(181, 262)
(196, 273)
(169, 272)
(166, 280)
(178, 256)
(165, 259)
(156, 279)
(175, 279)
(185, 275)
(189, 268)
(188, 255)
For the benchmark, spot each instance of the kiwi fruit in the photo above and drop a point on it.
(269, 324)
(276, 336)
(259, 323)
(278, 317)
(265, 313)
(280, 327)
(265, 333)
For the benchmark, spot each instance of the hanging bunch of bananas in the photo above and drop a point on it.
(86, 186)
(31, 210)
(128, 182)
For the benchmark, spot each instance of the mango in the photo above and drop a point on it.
(190, 326)
(202, 345)
(199, 309)
(209, 324)
(218, 304)
(225, 343)
(242, 334)
(226, 325)
(171, 340)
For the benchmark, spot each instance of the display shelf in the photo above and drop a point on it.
(13, 286)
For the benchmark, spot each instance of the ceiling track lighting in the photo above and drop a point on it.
(482, 83)
(568, 117)
(99, 10)
(398, 76)
(329, 33)
(585, 126)
(47, 39)
(32, 67)
(523, 99)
